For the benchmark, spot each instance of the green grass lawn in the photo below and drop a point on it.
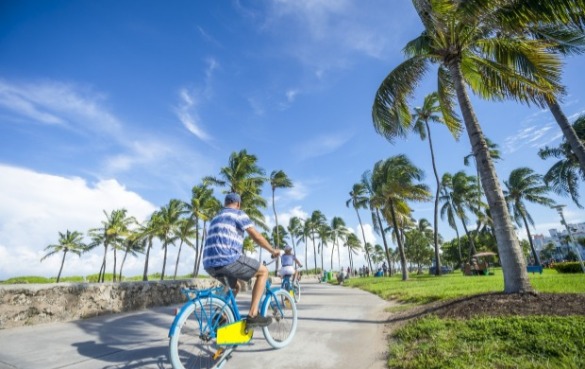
(483, 342)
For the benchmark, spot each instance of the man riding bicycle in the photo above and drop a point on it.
(223, 257)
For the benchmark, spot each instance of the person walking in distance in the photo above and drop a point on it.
(223, 255)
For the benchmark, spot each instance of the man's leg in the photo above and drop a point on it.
(258, 289)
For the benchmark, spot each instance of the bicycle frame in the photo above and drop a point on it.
(225, 294)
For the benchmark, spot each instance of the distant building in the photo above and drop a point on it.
(560, 239)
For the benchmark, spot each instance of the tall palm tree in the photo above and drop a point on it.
(295, 231)
(359, 200)
(68, 242)
(353, 245)
(149, 232)
(211, 207)
(395, 181)
(566, 174)
(448, 208)
(278, 179)
(430, 112)
(374, 205)
(114, 229)
(242, 175)
(338, 232)
(459, 36)
(525, 185)
(313, 225)
(167, 226)
(134, 244)
(185, 232)
(200, 194)
(463, 196)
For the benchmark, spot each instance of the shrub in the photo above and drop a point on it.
(568, 267)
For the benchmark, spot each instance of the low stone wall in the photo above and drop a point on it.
(43, 303)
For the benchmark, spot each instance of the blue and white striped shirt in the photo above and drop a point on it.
(225, 238)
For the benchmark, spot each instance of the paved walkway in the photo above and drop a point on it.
(339, 327)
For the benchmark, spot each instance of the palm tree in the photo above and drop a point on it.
(167, 226)
(278, 179)
(463, 196)
(186, 231)
(245, 177)
(448, 208)
(374, 205)
(359, 200)
(564, 176)
(338, 231)
(114, 229)
(295, 230)
(134, 244)
(68, 242)
(525, 185)
(211, 207)
(200, 194)
(149, 232)
(429, 112)
(353, 245)
(311, 229)
(394, 181)
(459, 36)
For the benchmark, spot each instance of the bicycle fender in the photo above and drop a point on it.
(175, 324)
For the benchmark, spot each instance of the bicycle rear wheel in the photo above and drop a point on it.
(297, 291)
(193, 344)
(281, 307)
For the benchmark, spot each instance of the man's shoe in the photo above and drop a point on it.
(258, 321)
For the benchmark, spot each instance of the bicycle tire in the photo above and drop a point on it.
(281, 307)
(297, 291)
(193, 344)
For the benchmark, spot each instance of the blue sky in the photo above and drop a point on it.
(127, 104)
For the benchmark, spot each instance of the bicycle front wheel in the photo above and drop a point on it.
(193, 344)
(281, 307)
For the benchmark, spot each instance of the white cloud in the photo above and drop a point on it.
(321, 145)
(37, 206)
(187, 114)
(54, 102)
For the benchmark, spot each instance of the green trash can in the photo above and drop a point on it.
(329, 276)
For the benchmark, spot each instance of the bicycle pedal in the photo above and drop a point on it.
(218, 353)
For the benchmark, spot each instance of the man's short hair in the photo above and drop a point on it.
(231, 198)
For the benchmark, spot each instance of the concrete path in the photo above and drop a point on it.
(339, 327)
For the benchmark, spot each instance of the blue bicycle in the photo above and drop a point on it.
(294, 288)
(209, 327)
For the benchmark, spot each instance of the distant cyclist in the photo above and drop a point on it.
(289, 261)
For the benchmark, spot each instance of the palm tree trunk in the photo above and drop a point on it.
(386, 249)
(568, 131)
(165, 247)
(436, 215)
(315, 254)
(103, 271)
(194, 274)
(364, 237)
(277, 240)
(399, 241)
(534, 254)
(513, 264)
(472, 249)
(122, 265)
(177, 262)
(114, 273)
(61, 268)
(145, 273)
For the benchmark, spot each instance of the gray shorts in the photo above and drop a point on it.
(244, 268)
